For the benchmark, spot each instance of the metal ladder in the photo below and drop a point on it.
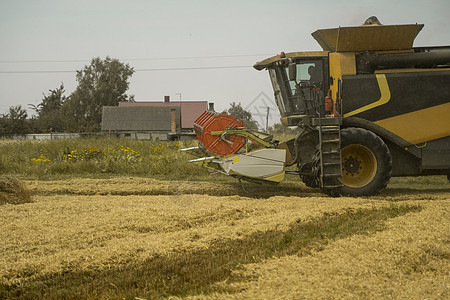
(330, 153)
(329, 145)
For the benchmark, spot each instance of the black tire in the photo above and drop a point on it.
(316, 167)
(366, 164)
(308, 180)
(306, 146)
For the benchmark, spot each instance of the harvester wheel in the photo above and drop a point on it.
(316, 167)
(366, 164)
(306, 145)
(308, 180)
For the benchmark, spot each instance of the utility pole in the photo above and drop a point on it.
(180, 111)
(267, 118)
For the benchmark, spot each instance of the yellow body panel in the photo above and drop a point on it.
(365, 38)
(276, 178)
(422, 125)
(340, 64)
(269, 61)
(396, 71)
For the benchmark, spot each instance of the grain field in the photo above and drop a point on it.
(144, 238)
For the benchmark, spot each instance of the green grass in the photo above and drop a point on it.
(111, 157)
(101, 157)
(198, 271)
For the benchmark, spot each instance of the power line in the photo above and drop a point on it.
(200, 57)
(135, 59)
(192, 68)
(35, 72)
(44, 61)
(136, 70)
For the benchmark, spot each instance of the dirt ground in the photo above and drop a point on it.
(86, 224)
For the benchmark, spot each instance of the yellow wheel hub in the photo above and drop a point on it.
(359, 166)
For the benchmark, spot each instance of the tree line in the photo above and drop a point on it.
(102, 83)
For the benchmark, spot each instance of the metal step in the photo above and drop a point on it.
(331, 141)
(329, 129)
(332, 175)
(327, 121)
(332, 164)
(330, 150)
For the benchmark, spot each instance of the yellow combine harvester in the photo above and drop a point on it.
(369, 106)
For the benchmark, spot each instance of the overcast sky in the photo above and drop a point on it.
(44, 42)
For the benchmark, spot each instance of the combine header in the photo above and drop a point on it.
(227, 143)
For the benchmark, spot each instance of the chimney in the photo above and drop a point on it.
(166, 99)
(173, 120)
(211, 106)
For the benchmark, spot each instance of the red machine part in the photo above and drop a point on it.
(223, 145)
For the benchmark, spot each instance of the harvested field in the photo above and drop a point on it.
(135, 237)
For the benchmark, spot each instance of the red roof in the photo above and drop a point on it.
(190, 110)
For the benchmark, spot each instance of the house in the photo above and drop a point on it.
(153, 120)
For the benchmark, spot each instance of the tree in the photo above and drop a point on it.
(237, 110)
(15, 122)
(51, 102)
(49, 112)
(4, 125)
(102, 83)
